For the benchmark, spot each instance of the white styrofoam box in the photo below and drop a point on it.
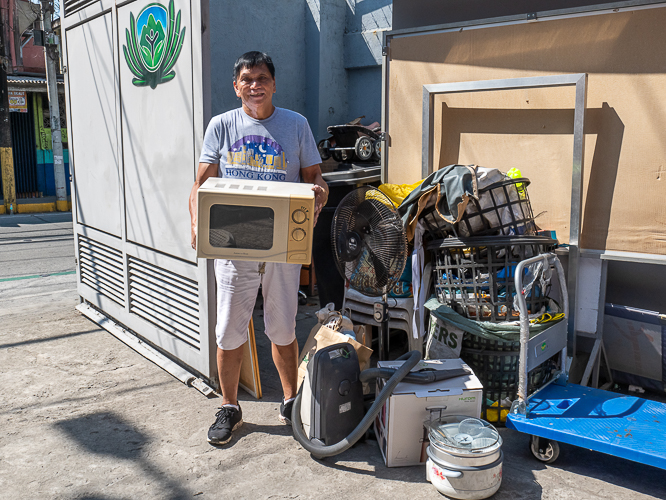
(399, 426)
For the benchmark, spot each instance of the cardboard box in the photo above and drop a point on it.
(399, 426)
(322, 336)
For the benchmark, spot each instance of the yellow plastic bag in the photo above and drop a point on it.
(398, 192)
(492, 413)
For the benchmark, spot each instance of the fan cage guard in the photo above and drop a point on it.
(496, 364)
(506, 211)
(392, 248)
(475, 276)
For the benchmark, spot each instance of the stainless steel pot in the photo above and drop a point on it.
(464, 457)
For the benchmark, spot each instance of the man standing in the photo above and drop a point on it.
(259, 126)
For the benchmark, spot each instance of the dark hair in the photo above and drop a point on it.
(251, 60)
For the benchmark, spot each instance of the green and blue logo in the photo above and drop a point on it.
(154, 42)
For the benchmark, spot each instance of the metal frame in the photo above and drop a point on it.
(383, 155)
(578, 80)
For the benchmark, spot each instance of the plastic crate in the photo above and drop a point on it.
(495, 363)
(475, 276)
(503, 208)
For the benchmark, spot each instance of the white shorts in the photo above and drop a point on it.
(237, 285)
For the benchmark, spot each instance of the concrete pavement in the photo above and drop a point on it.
(83, 416)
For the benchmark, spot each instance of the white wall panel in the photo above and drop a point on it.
(92, 87)
(158, 146)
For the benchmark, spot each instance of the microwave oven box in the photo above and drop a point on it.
(399, 425)
(254, 220)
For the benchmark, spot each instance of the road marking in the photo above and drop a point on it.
(37, 276)
(37, 294)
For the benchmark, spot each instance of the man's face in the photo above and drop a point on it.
(255, 86)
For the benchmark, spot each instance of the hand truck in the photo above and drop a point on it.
(623, 426)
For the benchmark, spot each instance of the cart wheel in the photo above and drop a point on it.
(323, 148)
(377, 150)
(337, 156)
(544, 450)
(363, 148)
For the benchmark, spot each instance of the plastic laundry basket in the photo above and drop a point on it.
(495, 363)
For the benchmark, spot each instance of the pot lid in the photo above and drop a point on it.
(463, 434)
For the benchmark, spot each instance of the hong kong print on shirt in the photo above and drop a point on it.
(258, 158)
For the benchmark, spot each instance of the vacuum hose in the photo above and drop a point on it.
(322, 451)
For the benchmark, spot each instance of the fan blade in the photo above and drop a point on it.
(363, 216)
(381, 270)
(341, 240)
(380, 244)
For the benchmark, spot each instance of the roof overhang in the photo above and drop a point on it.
(31, 84)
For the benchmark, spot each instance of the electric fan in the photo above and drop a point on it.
(370, 248)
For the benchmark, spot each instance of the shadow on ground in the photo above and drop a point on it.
(107, 434)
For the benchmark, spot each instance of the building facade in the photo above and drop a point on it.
(34, 178)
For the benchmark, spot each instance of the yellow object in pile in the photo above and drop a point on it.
(491, 415)
(514, 173)
(398, 192)
(546, 317)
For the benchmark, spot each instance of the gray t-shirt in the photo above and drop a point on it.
(274, 149)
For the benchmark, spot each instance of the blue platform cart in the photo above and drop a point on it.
(623, 426)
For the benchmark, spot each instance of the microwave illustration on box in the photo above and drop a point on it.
(255, 220)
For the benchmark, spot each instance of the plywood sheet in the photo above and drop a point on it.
(249, 376)
(625, 153)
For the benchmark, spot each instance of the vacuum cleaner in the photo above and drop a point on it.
(328, 414)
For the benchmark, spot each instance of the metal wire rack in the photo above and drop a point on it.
(475, 276)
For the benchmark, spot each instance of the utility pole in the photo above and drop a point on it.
(51, 56)
(6, 155)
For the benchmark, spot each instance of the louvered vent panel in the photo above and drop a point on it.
(167, 300)
(72, 6)
(102, 269)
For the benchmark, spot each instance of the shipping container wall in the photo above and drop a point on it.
(532, 129)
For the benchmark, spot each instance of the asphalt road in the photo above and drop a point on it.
(38, 267)
(85, 417)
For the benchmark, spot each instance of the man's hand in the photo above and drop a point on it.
(320, 200)
(204, 171)
(312, 175)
